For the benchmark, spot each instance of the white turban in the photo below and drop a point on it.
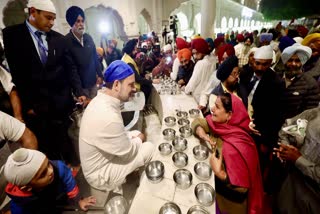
(303, 52)
(167, 48)
(22, 166)
(45, 5)
(264, 52)
(298, 39)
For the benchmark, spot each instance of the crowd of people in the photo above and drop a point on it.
(251, 88)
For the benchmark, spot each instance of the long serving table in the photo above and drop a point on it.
(150, 197)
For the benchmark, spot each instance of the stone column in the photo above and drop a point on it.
(208, 16)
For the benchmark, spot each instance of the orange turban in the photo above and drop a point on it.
(185, 53)
(100, 51)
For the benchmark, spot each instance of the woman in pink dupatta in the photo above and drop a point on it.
(237, 169)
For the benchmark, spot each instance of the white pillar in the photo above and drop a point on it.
(208, 15)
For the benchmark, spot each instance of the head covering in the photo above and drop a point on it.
(129, 47)
(303, 52)
(197, 36)
(298, 39)
(249, 36)
(73, 13)
(181, 43)
(185, 53)
(264, 52)
(100, 51)
(45, 5)
(240, 153)
(220, 35)
(218, 41)
(266, 37)
(210, 42)
(302, 30)
(167, 47)
(226, 67)
(22, 166)
(310, 38)
(240, 37)
(285, 42)
(200, 45)
(117, 70)
(226, 48)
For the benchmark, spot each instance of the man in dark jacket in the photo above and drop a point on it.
(35, 54)
(82, 58)
(302, 91)
(265, 91)
(228, 74)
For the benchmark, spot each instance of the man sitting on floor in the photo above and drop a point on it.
(108, 153)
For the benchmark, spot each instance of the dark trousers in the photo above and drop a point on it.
(53, 139)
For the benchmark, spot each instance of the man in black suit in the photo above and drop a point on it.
(82, 58)
(265, 100)
(35, 55)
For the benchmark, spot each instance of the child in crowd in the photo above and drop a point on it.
(38, 185)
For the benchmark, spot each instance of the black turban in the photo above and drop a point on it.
(129, 47)
(226, 68)
(73, 13)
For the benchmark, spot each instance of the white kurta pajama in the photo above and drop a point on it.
(108, 153)
(200, 76)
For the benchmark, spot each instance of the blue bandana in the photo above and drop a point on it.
(117, 70)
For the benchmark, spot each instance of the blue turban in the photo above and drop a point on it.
(73, 13)
(285, 42)
(210, 42)
(266, 37)
(117, 70)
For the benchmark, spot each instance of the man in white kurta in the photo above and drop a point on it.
(202, 72)
(108, 153)
(205, 66)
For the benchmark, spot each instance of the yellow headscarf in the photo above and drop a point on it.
(310, 38)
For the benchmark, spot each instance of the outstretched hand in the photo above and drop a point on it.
(85, 202)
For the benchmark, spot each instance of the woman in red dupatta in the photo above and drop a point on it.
(229, 121)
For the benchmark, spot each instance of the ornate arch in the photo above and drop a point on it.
(96, 15)
(146, 16)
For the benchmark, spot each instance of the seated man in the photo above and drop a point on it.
(108, 153)
(186, 67)
(300, 191)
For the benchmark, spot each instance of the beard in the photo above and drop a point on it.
(80, 30)
(133, 55)
(292, 73)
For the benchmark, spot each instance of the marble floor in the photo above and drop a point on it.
(151, 127)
